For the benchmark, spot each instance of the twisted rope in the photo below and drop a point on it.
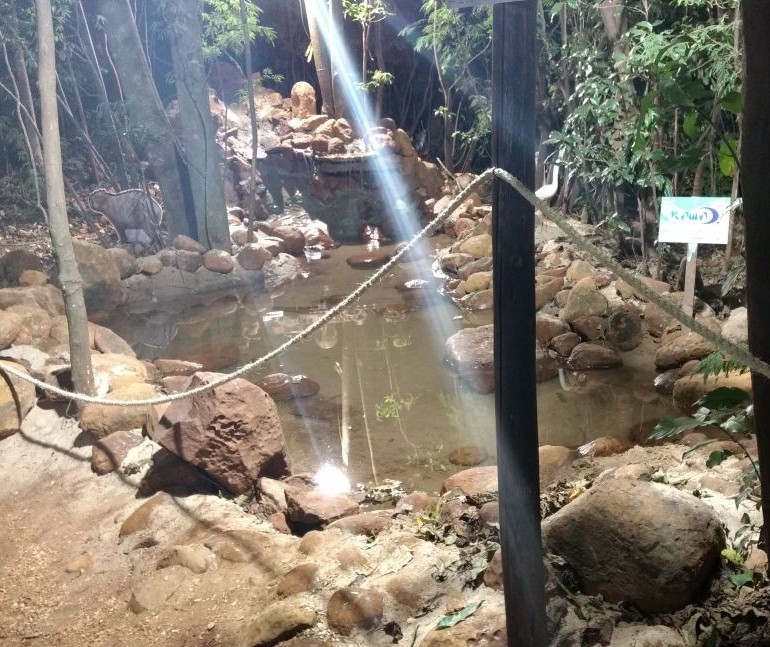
(737, 352)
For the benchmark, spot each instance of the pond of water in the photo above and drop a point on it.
(382, 373)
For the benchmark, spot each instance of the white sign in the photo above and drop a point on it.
(461, 4)
(694, 220)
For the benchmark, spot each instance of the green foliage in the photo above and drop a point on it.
(223, 30)
(392, 406)
(377, 79)
(654, 104)
(715, 364)
(451, 619)
(365, 12)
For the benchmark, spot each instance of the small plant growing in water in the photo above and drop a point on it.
(392, 406)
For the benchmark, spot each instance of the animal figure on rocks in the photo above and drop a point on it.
(134, 214)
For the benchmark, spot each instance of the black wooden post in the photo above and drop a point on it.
(514, 70)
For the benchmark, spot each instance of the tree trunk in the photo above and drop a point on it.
(321, 60)
(146, 111)
(252, 121)
(755, 164)
(69, 274)
(197, 126)
(21, 77)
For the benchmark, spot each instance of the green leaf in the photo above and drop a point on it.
(717, 457)
(732, 556)
(725, 397)
(698, 446)
(690, 125)
(673, 426)
(451, 619)
(728, 165)
(673, 92)
(743, 578)
(733, 102)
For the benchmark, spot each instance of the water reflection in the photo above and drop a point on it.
(388, 406)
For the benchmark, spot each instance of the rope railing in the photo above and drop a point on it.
(735, 351)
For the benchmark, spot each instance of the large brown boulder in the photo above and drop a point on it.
(232, 432)
(101, 420)
(102, 286)
(643, 542)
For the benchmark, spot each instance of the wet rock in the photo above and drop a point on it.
(106, 341)
(353, 608)
(280, 270)
(10, 327)
(584, 301)
(300, 579)
(646, 543)
(473, 481)
(303, 101)
(546, 288)
(253, 256)
(232, 432)
(188, 261)
(624, 329)
(587, 356)
(468, 455)
(35, 322)
(100, 420)
(109, 452)
(15, 403)
(736, 328)
(546, 366)
(469, 354)
(479, 301)
(187, 244)
(312, 508)
(124, 261)
(32, 278)
(687, 390)
(293, 239)
(547, 327)
(682, 349)
(368, 260)
(196, 558)
(215, 356)
(217, 260)
(564, 344)
(281, 386)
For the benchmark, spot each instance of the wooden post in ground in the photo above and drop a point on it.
(514, 70)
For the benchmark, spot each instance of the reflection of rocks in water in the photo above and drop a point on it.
(215, 356)
(393, 311)
(326, 337)
(316, 408)
(368, 260)
(281, 386)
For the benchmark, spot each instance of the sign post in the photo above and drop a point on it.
(693, 221)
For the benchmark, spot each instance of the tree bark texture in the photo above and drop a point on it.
(201, 152)
(755, 166)
(69, 274)
(150, 125)
(321, 59)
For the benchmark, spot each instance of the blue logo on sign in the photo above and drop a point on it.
(701, 216)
